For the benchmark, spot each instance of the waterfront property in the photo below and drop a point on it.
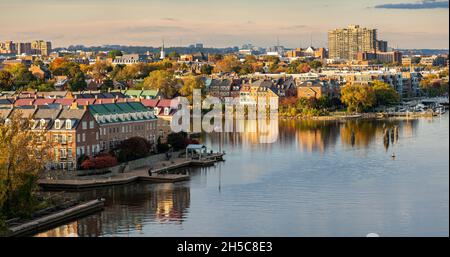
(120, 121)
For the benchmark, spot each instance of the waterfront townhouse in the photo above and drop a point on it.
(120, 121)
(76, 134)
(72, 132)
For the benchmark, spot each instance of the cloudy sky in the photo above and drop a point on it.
(220, 23)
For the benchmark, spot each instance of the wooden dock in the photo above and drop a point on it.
(54, 219)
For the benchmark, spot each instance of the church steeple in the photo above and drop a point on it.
(163, 54)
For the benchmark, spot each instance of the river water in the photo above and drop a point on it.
(319, 178)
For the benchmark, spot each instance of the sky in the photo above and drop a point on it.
(222, 23)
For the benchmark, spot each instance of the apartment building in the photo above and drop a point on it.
(120, 121)
(345, 43)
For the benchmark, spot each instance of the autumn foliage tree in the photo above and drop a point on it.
(358, 97)
(161, 80)
(23, 155)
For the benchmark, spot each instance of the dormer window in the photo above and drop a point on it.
(156, 110)
(57, 124)
(166, 111)
(68, 124)
(42, 123)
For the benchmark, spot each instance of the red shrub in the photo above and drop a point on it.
(99, 162)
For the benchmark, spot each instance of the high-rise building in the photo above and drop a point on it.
(382, 46)
(41, 47)
(345, 43)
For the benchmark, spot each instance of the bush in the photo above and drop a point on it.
(99, 162)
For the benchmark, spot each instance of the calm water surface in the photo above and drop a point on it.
(317, 179)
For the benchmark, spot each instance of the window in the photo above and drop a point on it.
(68, 124)
(57, 124)
(84, 125)
(96, 135)
(69, 138)
(78, 138)
(69, 152)
(91, 124)
(166, 111)
(55, 138)
(84, 137)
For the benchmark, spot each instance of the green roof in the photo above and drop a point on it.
(119, 108)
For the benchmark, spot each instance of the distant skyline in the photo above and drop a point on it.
(218, 23)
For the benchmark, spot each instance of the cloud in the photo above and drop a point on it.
(426, 4)
(170, 19)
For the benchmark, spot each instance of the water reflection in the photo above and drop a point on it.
(128, 208)
(318, 136)
(320, 178)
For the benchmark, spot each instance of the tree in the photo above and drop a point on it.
(206, 69)
(21, 76)
(177, 140)
(173, 55)
(78, 82)
(114, 53)
(315, 64)
(384, 94)
(357, 97)
(433, 86)
(228, 64)
(23, 155)
(100, 70)
(189, 84)
(134, 148)
(161, 80)
(6, 80)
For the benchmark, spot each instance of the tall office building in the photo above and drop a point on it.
(345, 43)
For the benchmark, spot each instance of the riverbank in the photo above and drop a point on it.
(371, 115)
(159, 173)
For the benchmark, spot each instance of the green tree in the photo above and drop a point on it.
(21, 76)
(206, 69)
(77, 82)
(114, 53)
(6, 80)
(357, 97)
(384, 94)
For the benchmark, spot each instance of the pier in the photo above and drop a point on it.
(159, 173)
(53, 219)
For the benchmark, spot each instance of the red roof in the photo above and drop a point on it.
(43, 101)
(85, 101)
(24, 102)
(125, 100)
(105, 101)
(150, 102)
(164, 103)
(64, 101)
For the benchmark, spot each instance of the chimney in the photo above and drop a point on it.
(85, 107)
(100, 101)
(74, 105)
(109, 89)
